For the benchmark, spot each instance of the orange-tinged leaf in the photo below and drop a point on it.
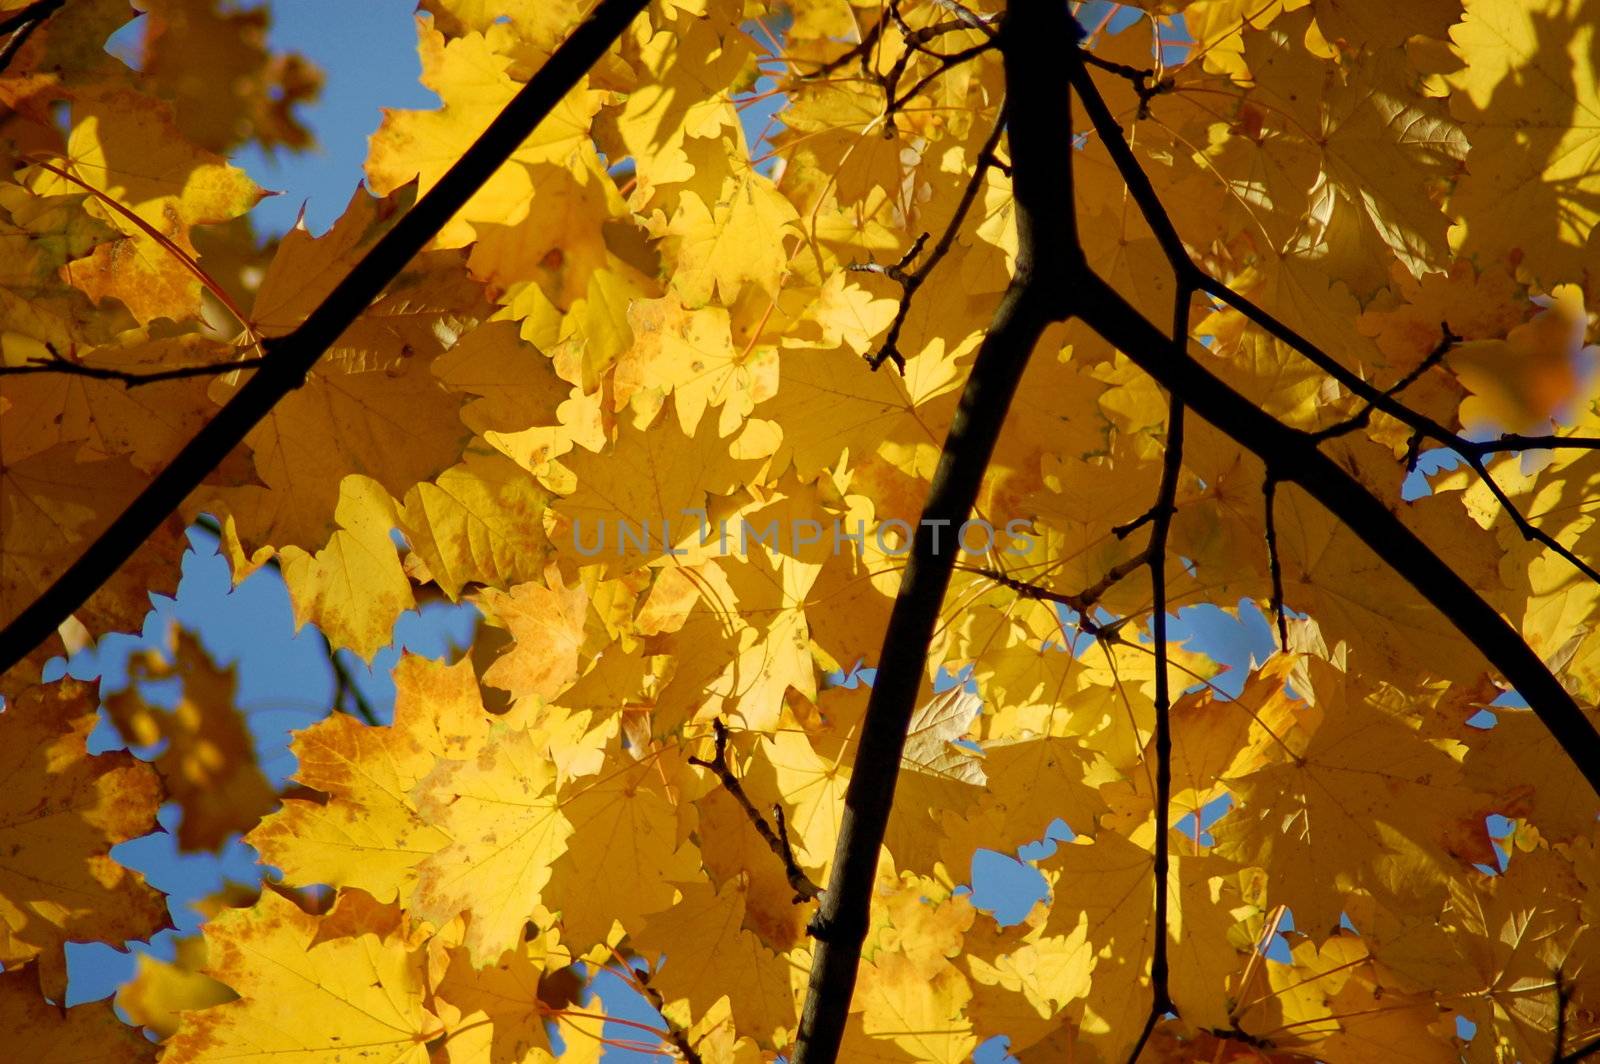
(51, 507)
(302, 999)
(42, 1033)
(495, 1012)
(62, 812)
(1520, 382)
(547, 626)
(505, 826)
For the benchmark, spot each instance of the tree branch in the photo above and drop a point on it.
(1295, 459)
(1166, 495)
(777, 841)
(1269, 504)
(128, 378)
(1039, 122)
(1360, 420)
(289, 358)
(911, 280)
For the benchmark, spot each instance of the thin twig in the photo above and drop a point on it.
(1081, 604)
(911, 280)
(972, 19)
(777, 841)
(1516, 441)
(1360, 420)
(1145, 83)
(860, 50)
(1529, 530)
(944, 65)
(675, 1031)
(344, 683)
(1165, 506)
(127, 378)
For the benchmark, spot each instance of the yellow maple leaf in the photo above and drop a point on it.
(318, 997)
(625, 852)
(738, 239)
(1532, 113)
(127, 149)
(368, 832)
(709, 955)
(1363, 797)
(354, 588)
(473, 75)
(160, 991)
(506, 827)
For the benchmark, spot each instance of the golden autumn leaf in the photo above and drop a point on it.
(58, 822)
(1238, 355)
(367, 832)
(161, 991)
(125, 149)
(504, 825)
(318, 999)
(43, 1032)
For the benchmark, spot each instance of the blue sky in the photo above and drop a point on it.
(367, 52)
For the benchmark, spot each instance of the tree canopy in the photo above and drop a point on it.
(826, 491)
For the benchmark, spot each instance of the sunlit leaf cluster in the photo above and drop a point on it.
(661, 332)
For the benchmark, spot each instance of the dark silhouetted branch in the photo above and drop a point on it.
(1293, 456)
(777, 841)
(1039, 122)
(910, 280)
(127, 378)
(1269, 501)
(1363, 417)
(289, 358)
(1160, 524)
(1295, 459)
